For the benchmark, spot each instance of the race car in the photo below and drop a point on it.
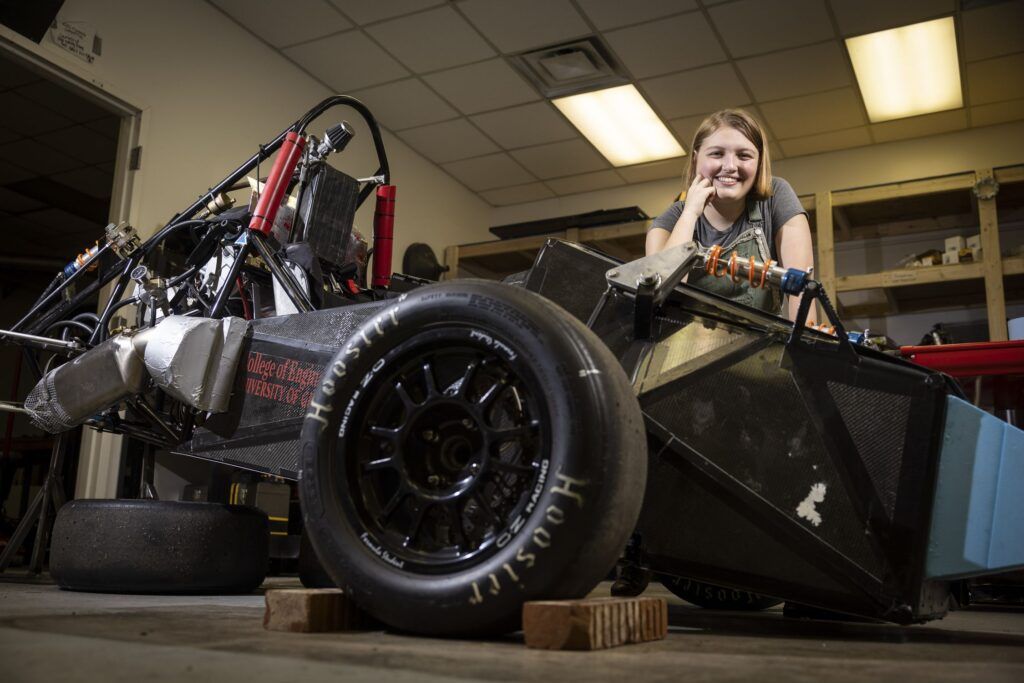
(464, 447)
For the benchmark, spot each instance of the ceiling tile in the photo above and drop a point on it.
(13, 202)
(920, 126)
(525, 24)
(800, 71)
(530, 192)
(658, 170)
(9, 173)
(32, 156)
(83, 144)
(529, 124)
(346, 61)
(8, 135)
(109, 127)
(405, 104)
(995, 80)
(750, 27)
(363, 12)
(25, 117)
(666, 45)
(685, 128)
(480, 87)
(607, 14)
(431, 40)
(62, 101)
(62, 222)
(826, 142)
(485, 173)
(867, 16)
(587, 182)
(696, 91)
(90, 180)
(998, 112)
(993, 31)
(775, 152)
(560, 159)
(13, 75)
(810, 114)
(448, 141)
(285, 22)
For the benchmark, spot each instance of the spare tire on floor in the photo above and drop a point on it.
(470, 448)
(149, 546)
(710, 596)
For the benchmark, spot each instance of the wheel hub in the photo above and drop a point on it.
(445, 449)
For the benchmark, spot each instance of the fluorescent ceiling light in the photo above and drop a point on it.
(620, 123)
(908, 71)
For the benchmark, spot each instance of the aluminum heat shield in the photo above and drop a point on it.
(194, 359)
(100, 378)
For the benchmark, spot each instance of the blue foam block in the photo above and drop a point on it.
(978, 517)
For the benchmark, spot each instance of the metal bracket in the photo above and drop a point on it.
(651, 279)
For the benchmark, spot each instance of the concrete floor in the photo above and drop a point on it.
(51, 635)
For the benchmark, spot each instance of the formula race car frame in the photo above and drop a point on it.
(463, 447)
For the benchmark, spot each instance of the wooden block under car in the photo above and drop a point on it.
(312, 610)
(593, 624)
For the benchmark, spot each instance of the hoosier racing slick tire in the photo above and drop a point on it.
(710, 596)
(159, 546)
(470, 448)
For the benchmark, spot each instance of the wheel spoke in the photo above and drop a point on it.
(384, 432)
(419, 514)
(516, 433)
(458, 534)
(403, 394)
(487, 398)
(386, 463)
(462, 386)
(392, 506)
(429, 382)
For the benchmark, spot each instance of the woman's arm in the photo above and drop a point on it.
(793, 245)
(698, 195)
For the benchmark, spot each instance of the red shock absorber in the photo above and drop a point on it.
(277, 182)
(383, 235)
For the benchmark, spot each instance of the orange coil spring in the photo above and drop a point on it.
(712, 262)
(732, 267)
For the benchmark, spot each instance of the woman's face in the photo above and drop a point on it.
(729, 160)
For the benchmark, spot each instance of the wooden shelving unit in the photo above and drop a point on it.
(905, 208)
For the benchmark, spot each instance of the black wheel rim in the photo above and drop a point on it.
(451, 447)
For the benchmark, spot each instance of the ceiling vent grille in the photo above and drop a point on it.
(570, 68)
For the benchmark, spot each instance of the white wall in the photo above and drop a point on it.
(210, 92)
(989, 147)
(992, 146)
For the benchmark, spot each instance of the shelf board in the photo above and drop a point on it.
(911, 188)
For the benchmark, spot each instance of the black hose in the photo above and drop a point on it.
(68, 324)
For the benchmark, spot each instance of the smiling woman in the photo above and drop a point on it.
(733, 201)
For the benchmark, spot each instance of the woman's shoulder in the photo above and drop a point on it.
(780, 184)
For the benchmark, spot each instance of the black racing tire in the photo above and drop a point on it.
(470, 448)
(149, 546)
(311, 571)
(710, 596)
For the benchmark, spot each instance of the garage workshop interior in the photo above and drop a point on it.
(429, 339)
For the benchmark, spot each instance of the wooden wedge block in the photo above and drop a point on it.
(593, 624)
(312, 610)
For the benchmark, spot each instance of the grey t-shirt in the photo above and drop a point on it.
(775, 211)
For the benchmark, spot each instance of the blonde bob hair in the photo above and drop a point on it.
(751, 129)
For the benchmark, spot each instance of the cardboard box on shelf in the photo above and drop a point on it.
(955, 243)
(974, 241)
(950, 257)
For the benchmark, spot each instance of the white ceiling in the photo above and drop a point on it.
(438, 74)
